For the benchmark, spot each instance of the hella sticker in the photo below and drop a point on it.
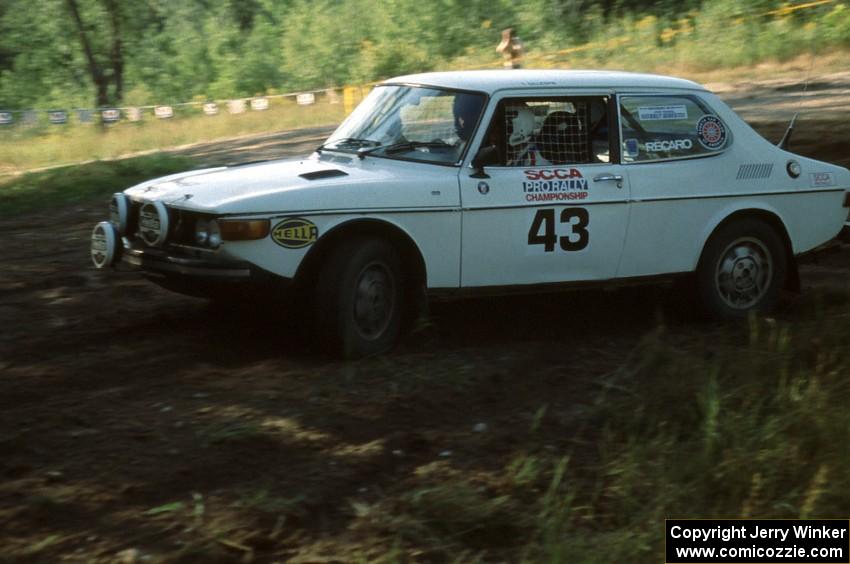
(295, 233)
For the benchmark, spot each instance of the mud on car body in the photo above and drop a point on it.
(496, 180)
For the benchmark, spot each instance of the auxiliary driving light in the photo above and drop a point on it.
(118, 210)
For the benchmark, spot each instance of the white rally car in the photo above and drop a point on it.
(491, 180)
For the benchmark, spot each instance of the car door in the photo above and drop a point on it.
(554, 207)
(674, 146)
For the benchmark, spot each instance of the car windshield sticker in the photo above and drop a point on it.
(554, 184)
(632, 148)
(295, 233)
(711, 133)
(822, 179)
(669, 145)
(658, 113)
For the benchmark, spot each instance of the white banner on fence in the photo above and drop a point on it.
(163, 112)
(134, 114)
(111, 115)
(236, 106)
(305, 99)
(211, 108)
(57, 117)
(259, 104)
(6, 118)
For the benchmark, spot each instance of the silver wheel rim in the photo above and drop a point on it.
(374, 300)
(743, 273)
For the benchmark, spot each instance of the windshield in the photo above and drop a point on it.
(413, 123)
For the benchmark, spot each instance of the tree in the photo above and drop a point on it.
(108, 69)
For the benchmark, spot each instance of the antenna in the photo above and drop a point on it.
(786, 139)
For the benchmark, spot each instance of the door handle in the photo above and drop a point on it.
(618, 178)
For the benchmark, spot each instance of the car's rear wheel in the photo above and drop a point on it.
(742, 269)
(360, 298)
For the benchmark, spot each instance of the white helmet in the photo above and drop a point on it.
(523, 127)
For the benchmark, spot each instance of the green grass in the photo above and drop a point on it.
(751, 422)
(68, 185)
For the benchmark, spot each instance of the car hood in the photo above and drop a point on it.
(318, 182)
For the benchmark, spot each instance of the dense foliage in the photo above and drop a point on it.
(79, 53)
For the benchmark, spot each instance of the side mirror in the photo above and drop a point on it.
(488, 155)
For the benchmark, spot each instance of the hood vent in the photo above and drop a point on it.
(320, 174)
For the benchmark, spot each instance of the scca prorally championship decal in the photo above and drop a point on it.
(554, 184)
(295, 233)
(711, 133)
(669, 145)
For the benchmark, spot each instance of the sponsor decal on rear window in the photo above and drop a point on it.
(711, 132)
(632, 148)
(658, 113)
(669, 145)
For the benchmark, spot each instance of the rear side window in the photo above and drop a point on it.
(669, 127)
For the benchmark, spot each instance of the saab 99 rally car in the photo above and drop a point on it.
(493, 180)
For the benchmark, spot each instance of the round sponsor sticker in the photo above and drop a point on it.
(711, 132)
(483, 187)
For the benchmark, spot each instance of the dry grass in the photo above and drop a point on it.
(25, 149)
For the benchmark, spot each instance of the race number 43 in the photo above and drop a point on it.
(543, 230)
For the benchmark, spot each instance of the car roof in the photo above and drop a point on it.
(492, 80)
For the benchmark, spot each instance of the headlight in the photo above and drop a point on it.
(214, 238)
(202, 231)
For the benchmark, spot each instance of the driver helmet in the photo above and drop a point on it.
(466, 108)
(522, 127)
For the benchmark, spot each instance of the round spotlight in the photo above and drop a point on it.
(118, 210)
(105, 248)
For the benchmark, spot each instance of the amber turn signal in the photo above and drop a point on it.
(243, 230)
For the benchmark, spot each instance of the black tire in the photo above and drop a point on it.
(360, 298)
(742, 269)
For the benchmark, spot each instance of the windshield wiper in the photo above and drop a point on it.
(401, 147)
(360, 143)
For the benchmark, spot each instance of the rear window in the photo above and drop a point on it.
(669, 127)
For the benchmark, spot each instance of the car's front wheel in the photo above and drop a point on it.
(742, 269)
(360, 297)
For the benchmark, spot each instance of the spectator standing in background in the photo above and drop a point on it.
(511, 49)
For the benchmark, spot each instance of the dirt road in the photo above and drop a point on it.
(137, 425)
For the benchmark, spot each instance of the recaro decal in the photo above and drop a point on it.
(669, 145)
(295, 233)
(554, 184)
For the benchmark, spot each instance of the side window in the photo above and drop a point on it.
(669, 127)
(549, 131)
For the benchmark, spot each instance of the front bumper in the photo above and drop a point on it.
(181, 261)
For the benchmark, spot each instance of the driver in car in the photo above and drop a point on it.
(522, 148)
